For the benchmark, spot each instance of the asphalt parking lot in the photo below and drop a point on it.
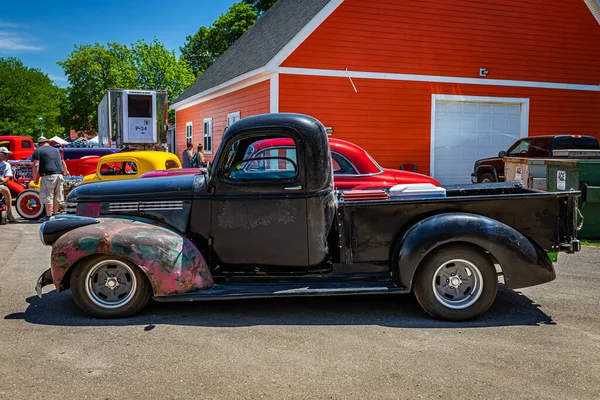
(541, 342)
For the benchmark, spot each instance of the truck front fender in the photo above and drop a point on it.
(171, 262)
(523, 262)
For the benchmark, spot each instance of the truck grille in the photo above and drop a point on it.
(146, 206)
(71, 208)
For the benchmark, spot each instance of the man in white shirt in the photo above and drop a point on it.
(5, 175)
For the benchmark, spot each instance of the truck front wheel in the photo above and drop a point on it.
(456, 283)
(488, 177)
(108, 287)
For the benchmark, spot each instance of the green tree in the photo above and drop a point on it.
(92, 69)
(201, 49)
(157, 68)
(27, 94)
(260, 6)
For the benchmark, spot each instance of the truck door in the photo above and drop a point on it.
(259, 214)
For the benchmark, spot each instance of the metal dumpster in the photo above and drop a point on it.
(584, 175)
(531, 172)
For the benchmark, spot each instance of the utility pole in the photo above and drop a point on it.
(40, 119)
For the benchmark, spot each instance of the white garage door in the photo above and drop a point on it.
(467, 131)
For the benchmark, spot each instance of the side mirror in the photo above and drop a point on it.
(502, 154)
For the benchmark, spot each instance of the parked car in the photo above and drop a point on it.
(236, 233)
(80, 162)
(492, 169)
(353, 167)
(20, 146)
(131, 164)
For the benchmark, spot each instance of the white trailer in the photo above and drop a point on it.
(133, 118)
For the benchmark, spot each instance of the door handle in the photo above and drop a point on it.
(293, 188)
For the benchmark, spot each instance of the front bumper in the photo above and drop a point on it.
(474, 177)
(44, 280)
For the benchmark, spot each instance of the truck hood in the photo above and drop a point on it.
(168, 188)
(484, 161)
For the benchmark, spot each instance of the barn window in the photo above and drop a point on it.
(189, 132)
(208, 138)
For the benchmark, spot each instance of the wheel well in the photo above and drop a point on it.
(474, 247)
(486, 170)
(65, 283)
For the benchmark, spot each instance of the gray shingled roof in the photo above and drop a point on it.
(273, 30)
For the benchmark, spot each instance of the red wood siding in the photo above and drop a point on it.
(392, 119)
(532, 40)
(249, 101)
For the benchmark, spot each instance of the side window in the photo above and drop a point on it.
(189, 132)
(25, 145)
(208, 136)
(539, 148)
(520, 149)
(265, 159)
(170, 164)
(110, 168)
(341, 165)
(118, 168)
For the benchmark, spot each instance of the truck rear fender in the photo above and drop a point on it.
(523, 262)
(171, 262)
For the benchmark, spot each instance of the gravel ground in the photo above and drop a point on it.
(540, 342)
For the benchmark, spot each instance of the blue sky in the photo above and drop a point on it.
(42, 32)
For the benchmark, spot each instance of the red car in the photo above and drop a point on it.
(353, 167)
(20, 146)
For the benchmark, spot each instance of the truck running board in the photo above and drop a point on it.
(256, 290)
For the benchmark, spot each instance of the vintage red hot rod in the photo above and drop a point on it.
(242, 231)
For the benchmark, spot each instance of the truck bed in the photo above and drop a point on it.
(369, 229)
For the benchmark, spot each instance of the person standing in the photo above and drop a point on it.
(187, 155)
(5, 175)
(198, 161)
(51, 167)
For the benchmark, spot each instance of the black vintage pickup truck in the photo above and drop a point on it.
(274, 226)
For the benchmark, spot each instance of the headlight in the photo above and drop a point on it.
(42, 234)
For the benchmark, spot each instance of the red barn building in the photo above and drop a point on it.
(438, 84)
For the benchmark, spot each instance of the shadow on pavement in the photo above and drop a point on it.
(396, 311)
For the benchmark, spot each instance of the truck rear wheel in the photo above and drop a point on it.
(456, 283)
(108, 287)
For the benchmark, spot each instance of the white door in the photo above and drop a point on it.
(466, 131)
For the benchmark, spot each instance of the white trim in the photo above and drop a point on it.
(523, 102)
(274, 108)
(206, 134)
(301, 36)
(434, 78)
(237, 83)
(594, 6)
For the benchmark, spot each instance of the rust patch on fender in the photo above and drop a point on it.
(172, 263)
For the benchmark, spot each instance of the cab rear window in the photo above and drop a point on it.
(585, 143)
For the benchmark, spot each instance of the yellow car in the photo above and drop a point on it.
(128, 165)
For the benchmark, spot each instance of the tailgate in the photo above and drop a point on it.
(570, 221)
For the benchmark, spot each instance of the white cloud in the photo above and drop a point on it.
(12, 39)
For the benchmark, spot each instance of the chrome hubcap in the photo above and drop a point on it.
(110, 284)
(31, 205)
(457, 284)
